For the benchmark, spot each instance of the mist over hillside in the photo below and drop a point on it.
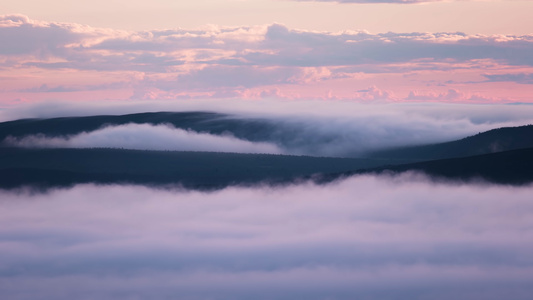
(202, 150)
(492, 141)
(514, 167)
(354, 132)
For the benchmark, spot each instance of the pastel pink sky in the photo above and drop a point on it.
(359, 50)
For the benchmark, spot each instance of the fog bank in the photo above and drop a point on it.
(320, 128)
(146, 137)
(362, 238)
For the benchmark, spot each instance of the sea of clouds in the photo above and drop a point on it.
(365, 237)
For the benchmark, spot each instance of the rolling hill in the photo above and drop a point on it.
(272, 131)
(214, 123)
(492, 141)
(514, 167)
(503, 155)
(201, 170)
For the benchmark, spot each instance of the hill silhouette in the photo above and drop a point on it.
(202, 170)
(256, 129)
(269, 130)
(503, 155)
(492, 141)
(514, 167)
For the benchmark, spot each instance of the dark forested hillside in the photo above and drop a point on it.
(286, 135)
(485, 155)
(73, 125)
(492, 141)
(62, 167)
(509, 167)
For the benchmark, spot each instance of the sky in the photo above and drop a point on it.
(350, 50)
(330, 78)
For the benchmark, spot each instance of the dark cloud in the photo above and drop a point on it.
(522, 78)
(302, 48)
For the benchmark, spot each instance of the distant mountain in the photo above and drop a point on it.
(492, 141)
(199, 170)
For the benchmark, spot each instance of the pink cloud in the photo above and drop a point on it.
(452, 95)
(41, 59)
(373, 93)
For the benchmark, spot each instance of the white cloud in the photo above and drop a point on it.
(146, 137)
(365, 237)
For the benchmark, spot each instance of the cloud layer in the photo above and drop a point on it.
(365, 237)
(146, 137)
(46, 60)
(289, 127)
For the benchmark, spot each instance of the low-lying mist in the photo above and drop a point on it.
(365, 237)
(145, 137)
(319, 128)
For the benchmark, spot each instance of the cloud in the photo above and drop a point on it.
(364, 237)
(305, 48)
(374, 93)
(452, 95)
(44, 88)
(241, 61)
(294, 127)
(522, 78)
(145, 137)
(273, 45)
(229, 76)
(24, 36)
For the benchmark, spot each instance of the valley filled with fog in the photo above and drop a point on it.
(387, 237)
